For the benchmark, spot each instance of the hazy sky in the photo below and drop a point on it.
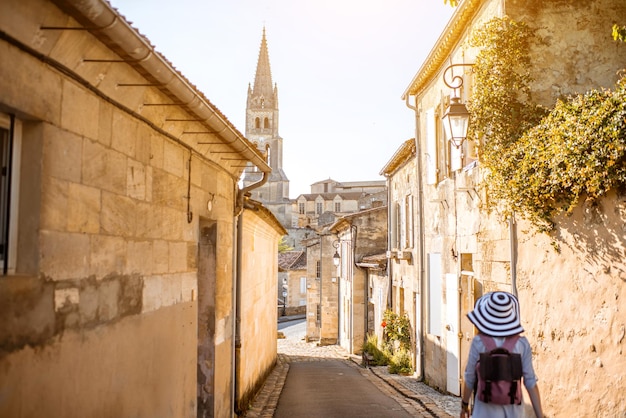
(341, 67)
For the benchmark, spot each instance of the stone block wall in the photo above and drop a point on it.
(102, 292)
(571, 345)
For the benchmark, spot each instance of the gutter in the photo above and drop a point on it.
(103, 21)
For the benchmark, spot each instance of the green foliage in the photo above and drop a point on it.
(283, 246)
(619, 33)
(401, 362)
(371, 346)
(577, 151)
(538, 164)
(397, 334)
(398, 328)
(501, 105)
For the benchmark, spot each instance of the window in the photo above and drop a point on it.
(434, 294)
(5, 158)
(337, 206)
(10, 151)
(301, 208)
(302, 284)
(319, 207)
(266, 123)
(408, 225)
(401, 224)
(431, 147)
(318, 269)
(393, 225)
(257, 123)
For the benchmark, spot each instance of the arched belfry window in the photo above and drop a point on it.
(257, 123)
(266, 123)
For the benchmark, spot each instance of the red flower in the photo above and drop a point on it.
(384, 324)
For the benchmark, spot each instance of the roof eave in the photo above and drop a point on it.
(444, 46)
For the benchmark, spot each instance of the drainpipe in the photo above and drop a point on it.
(421, 238)
(389, 226)
(513, 248)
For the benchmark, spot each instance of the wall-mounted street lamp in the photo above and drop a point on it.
(336, 257)
(456, 117)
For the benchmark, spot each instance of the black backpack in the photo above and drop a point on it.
(499, 373)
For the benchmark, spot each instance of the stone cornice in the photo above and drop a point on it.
(444, 46)
(402, 155)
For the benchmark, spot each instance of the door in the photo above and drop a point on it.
(453, 345)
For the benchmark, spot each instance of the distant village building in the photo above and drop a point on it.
(292, 283)
(330, 199)
(339, 259)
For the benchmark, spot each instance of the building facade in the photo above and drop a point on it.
(362, 236)
(118, 295)
(330, 199)
(292, 283)
(404, 293)
(570, 299)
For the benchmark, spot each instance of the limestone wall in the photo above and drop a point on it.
(570, 298)
(103, 300)
(257, 352)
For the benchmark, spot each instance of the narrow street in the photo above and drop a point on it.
(311, 381)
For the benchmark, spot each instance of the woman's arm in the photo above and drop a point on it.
(535, 400)
(465, 398)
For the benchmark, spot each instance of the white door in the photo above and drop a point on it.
(453, 344)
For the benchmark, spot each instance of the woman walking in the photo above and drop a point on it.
(497, 317)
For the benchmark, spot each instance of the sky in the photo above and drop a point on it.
(341, 67)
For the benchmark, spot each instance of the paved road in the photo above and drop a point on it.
(293, 330)
(310, 381)
(322, 383)
(333, 388)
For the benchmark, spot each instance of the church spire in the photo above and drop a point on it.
(263, 88)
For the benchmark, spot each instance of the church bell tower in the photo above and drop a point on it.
(262, 130)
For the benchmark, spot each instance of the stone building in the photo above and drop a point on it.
(402, 253)
(362, 236)
(570, 299)
(128, 249)
(292, 282)
(262, 129)
(330, 199)
(337, 285)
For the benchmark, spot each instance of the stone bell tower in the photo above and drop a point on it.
(262, 130)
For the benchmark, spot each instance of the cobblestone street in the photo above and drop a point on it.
(415, 398)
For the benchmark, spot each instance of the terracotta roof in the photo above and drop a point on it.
(292, 260)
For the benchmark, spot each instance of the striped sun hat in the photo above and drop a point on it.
(497, 314)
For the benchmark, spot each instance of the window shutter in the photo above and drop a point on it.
(431, 147)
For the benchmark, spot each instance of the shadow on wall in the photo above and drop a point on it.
(597, 230)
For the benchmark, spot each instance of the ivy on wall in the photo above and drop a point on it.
(576, 152)
(541, 164)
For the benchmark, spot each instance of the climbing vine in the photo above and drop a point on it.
(541, 164)
(576, 152)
